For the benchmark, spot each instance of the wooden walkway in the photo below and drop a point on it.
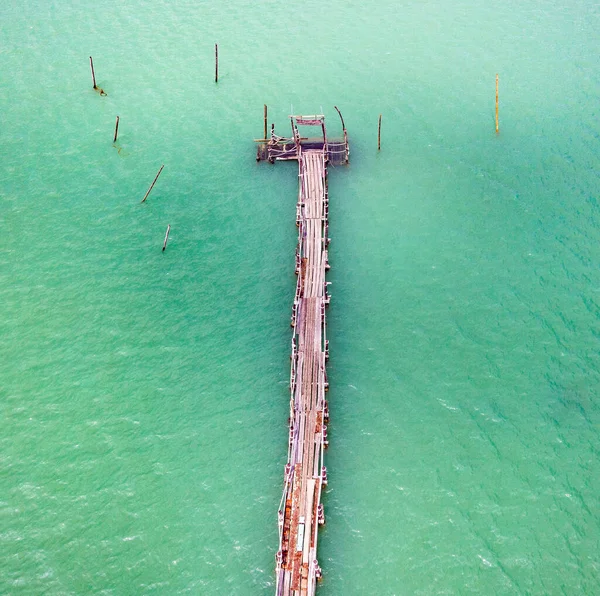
(301, 511)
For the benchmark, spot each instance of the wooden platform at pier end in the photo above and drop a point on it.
(301, 511)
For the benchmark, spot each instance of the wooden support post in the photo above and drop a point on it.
(93, 75)
(152, 185)
(116, 130)
(216, 63)
(379, 135)
(497, 123)
(166, 237)
(265, 137)
(269, 156)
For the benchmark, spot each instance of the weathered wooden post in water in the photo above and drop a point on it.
(497, 123)
(116, 130)
(265, 115)
(153, 183)
(93, 75)
(216, 63)
(95, 87)
(305, 476)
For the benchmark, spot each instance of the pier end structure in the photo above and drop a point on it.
(301, 511)
(278, 148)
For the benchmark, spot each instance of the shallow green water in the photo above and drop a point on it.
(143, 396)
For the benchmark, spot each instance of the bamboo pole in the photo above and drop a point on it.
(497, 123)
(341, 118)
(216, 63)
(345, 134)
(116, 130)
(166, 237)
(152, 185)
(93, 75)
(379, 135)
(265, 137)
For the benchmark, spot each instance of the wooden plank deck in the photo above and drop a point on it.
(297, 566)
(301, 511)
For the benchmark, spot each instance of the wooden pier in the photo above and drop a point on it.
(301, 511)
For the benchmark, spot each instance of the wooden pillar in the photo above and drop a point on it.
(216, 63)
(265, 117)
(116, 130)
(166, 237)
(152, 185)
(497, 123)
(93, 75)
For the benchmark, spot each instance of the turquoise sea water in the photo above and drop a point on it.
(143, 396)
